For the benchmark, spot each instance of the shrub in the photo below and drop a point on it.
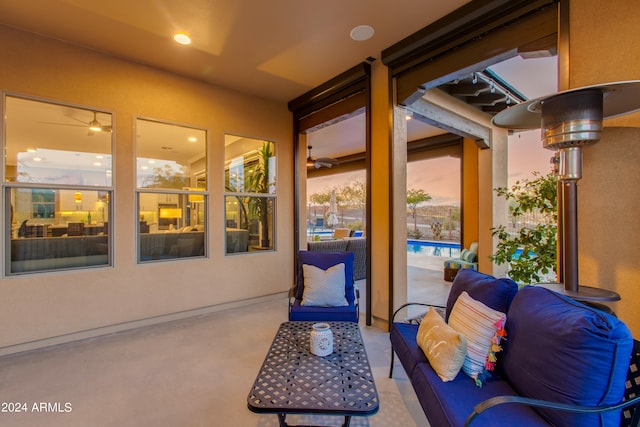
(538, 242)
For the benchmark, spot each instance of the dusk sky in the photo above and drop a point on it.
(441, 177)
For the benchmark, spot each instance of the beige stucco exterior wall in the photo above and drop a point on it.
(603, 48)
(41, 306)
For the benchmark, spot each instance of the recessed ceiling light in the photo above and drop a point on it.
(182, 38)
(361, 33)
(192, 139)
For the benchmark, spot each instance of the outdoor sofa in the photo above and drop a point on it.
(357, 245)
(557, 353)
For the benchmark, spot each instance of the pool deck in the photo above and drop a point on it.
(425, 279)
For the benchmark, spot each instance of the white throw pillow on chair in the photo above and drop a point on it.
(324, 288)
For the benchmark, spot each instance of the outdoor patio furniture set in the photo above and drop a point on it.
(496, 355)
(561, 363)
(295, 380)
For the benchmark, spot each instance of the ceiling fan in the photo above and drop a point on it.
(320, 162)
(93, 125)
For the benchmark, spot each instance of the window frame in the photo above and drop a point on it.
(7, 228)
(200, 175)
(271, 195)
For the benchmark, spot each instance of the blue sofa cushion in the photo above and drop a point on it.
(404, 342)
(494, 293)
(450, 403)
(560, 350)
(300, 312)
(324, 260)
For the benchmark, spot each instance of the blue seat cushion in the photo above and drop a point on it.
(325, 260)
(492, 292)
(403, 341)
(307, 313)
(561, 350)
(450, 403)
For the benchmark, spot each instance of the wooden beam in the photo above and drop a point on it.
(451, 121)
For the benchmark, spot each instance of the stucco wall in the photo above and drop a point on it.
(603, 40)
(40, 306)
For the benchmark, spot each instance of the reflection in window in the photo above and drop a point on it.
(73, 232)
(57, 187)
(171, 226)
(250, 194)
(172, 197)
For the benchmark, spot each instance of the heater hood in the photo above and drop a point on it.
(618, 98)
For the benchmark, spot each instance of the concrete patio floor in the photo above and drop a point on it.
(191, 372)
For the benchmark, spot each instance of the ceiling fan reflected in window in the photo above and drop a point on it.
(93, 125)
(320, 162)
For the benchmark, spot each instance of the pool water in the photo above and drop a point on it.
(433, 248)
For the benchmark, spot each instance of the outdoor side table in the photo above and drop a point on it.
(294, 381)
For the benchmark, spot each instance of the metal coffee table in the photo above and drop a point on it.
(294, 381)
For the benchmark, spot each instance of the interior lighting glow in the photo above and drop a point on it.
(182, 38)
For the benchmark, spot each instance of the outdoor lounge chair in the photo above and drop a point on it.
(320, 294)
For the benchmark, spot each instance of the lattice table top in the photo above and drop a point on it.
(293, 380)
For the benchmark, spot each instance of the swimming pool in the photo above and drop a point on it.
(328, 233)
(433, 248)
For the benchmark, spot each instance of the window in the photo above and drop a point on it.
(172, 191)
(250, 194)
(57, 186)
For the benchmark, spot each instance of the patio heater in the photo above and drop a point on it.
(568, 121)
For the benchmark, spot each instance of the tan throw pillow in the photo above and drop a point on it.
(483, 327)
(443, 346)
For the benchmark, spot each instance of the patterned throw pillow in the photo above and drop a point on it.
(483, 329)
(444, 347)
(467, 256)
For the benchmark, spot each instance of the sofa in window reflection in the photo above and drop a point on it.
(237, 240)
(51, 253)
(185, 242)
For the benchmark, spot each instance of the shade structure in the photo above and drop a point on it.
(570, 120)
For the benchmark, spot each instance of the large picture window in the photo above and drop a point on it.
(57, 186)
(250, 194)
(172, 191)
